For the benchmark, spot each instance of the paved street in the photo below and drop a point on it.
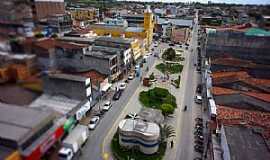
(99, 140)
(93, 148)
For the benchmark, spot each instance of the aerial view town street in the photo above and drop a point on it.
(134, 80)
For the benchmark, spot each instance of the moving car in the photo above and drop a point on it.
(107, 105)
(198, 99)
(122, 86)
(117, 95)
(93, 122)
(199, 88)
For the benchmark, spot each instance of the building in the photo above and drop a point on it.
(139, 133)
(84, 14)
(71, 86)
(14, 23)
(165, 26)
(145, 33)
(27, 133)
(46, 8)
(136, 46)
(60, 23)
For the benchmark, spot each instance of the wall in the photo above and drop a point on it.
(70, 89)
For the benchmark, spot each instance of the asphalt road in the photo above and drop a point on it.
(92, 150)
(185, 145)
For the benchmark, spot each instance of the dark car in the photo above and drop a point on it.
(117, 95)
(198, 133)
(199, 137)
(199, 123)
(198, 119)
(197, 158)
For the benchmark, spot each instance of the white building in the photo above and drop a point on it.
(145, 135)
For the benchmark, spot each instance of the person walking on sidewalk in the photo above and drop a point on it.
(172, 144)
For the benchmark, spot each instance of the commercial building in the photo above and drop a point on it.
(27, 133)
(139, 133)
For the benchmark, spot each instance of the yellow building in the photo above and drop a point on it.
(143, 34)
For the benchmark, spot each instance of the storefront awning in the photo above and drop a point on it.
(106, 87)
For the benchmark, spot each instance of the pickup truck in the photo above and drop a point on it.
(73, 142)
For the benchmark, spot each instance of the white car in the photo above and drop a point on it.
(107, 105)
(198, 99)
(93, 122)
(122, 86)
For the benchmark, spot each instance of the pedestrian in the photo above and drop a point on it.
(172, 144)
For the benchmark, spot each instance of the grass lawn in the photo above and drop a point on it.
(155, 97)
(171, 68)
(121, 153)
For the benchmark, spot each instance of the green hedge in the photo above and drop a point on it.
(155, 97)
(171, 68)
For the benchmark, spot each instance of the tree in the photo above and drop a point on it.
(152, 76)
(166, 132)
(169, 54)
(167, 109)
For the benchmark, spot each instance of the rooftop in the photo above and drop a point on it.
(226, 91)
(56, 103)
(49, 43)
(95, 76)
(67, 77)
(134, 29)
(232, 116)
(115, 40)
(18, 122)
(177, 22)
(139, 126)
(245, 144)
(14, 94)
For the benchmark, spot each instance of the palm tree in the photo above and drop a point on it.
(167, 131)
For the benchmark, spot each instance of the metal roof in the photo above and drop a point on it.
(174, 21)
(17, 122)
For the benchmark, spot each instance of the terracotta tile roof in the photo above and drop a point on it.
(226, 91)
(262, 96)
(232, 116)
(221, 77)
(49, 43)
(230, 61)
(222, 91)
(95, 76)
(256, 81)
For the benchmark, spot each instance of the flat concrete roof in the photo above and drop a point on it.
(245, 143)
(68, 77)
(17, 122)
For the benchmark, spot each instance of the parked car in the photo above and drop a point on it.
(131, 77)
(197, 158)
(122, 86)
(117, 95)
(198, 99)
(198, 119)
(107, 105)
(198, 149)
(198, 142)
(199, 137)
(198, 132)
(93, 122)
